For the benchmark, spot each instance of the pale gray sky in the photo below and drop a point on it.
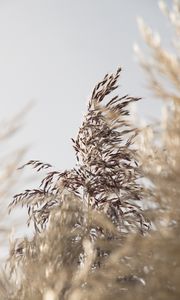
(55, 51)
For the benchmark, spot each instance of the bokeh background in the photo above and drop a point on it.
(54, 51)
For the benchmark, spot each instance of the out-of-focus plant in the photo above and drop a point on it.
(161, 145)
(9, 161)
(160, 158)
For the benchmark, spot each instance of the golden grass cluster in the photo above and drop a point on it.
(92, 239)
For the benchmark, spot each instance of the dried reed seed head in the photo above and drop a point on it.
(107, 170)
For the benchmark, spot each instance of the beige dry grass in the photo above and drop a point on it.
(91, 238)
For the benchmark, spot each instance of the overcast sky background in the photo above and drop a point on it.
(54, 52)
